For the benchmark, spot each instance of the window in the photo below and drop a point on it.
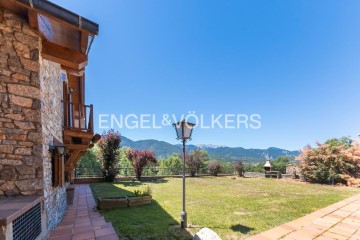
(58, 170)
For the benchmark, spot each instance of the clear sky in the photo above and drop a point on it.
(296, 63)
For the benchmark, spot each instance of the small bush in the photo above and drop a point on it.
(144, 191)
(139, 159)
(195, 160)
(239, 168)
(214, 168)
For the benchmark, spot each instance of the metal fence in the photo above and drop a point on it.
(148, 172)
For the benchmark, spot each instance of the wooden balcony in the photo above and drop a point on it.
(78, 132)
(79, 117)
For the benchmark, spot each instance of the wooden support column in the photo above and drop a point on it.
(1, 15)
(84, 41)
(33, 20)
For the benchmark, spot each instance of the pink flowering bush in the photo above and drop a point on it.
(109, 148)
(139, 159)
(336, 159)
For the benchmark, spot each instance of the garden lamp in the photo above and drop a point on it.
(183, 131)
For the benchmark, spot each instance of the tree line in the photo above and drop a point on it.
(109, 160)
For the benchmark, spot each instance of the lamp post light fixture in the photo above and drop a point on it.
(183, 132)
(57, 149)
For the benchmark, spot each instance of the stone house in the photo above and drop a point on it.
(43, 54)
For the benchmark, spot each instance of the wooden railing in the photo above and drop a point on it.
(78, 117)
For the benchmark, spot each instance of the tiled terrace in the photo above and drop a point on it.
(82, 220)
(338, 221)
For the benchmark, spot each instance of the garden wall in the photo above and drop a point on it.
(254, 175)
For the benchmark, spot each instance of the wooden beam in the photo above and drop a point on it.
(79, 134)
(71, 160)
(84, 41)
(77, 147)
(33, 20)
(64, 56)
(75, 72)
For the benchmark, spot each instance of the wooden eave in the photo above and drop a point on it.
(63, 41)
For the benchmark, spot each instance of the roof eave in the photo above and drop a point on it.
(62, 14)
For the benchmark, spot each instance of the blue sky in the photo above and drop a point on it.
(296, 63)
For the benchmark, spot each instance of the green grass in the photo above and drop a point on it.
(234, 208)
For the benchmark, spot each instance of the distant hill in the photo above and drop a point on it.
(220, 153)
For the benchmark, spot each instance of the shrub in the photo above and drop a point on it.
(195, 160)
(109, 148)
(139, 159)
(172, 164)
(214, 168)
(239, 168)
(335, 160)
(144, 191)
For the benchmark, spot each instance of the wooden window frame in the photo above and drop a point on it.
(57, 168)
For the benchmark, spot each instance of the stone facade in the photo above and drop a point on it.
(52, 121)
(21, 164)
(31, 116)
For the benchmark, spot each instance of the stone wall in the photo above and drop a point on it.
(52, 121)
(254, 175)
(21, 170)
(31, 116)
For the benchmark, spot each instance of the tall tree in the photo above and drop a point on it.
(109, 147)
(280, 163)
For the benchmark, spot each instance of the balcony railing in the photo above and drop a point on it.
(78, 117)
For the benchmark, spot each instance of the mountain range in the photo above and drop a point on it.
(220, 153)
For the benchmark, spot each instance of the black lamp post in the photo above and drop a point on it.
(183, 132)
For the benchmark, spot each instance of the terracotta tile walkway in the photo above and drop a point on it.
(338, 221)
(82, 220)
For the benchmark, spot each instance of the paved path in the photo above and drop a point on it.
(82, 220)
(338, 221)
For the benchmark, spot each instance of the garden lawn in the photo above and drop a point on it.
(234, 208)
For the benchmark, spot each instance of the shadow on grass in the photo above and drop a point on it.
(145, 222)
(129, 183)
(155, 181)
(241, 228)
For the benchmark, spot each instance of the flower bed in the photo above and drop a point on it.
(123, 202)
